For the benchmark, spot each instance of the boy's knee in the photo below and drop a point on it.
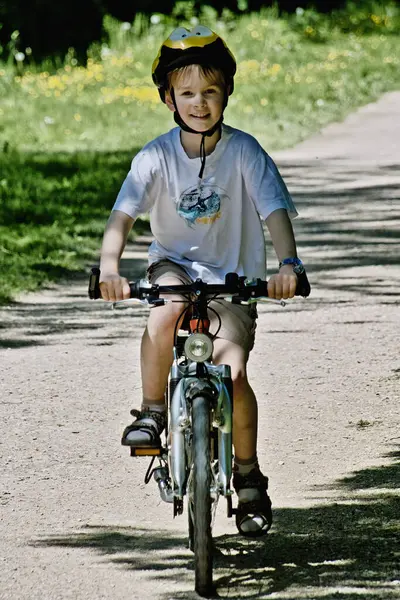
(165, 317)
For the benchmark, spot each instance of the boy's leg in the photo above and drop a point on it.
(254, 516)
(156, 359)
(245, 413)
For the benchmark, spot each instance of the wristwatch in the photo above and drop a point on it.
(298, 267)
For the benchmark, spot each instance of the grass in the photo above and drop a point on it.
(52, 217)
(68, 132)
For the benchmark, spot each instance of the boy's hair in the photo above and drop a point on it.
(210, 73)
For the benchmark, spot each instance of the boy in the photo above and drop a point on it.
(205, 185)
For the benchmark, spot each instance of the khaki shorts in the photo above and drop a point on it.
(238, 322)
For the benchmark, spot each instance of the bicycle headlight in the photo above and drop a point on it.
(198, 347)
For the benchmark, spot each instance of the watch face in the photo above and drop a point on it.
(298, 269)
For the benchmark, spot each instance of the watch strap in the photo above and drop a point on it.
(291, 260)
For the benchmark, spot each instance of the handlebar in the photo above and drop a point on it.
(241, 289)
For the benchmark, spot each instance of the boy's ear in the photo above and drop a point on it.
(168, 101)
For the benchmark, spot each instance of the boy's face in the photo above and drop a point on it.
(199, 99)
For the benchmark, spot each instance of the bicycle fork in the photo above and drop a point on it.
(188, 388)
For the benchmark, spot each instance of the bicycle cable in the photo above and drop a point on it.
(214, 335)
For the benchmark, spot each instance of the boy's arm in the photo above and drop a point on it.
(282, 284)
(113, 287)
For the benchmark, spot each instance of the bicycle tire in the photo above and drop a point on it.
(200, 522)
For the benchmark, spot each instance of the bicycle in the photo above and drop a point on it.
(196, 458)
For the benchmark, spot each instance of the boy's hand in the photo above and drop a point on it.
(113, 287)
(283, 285)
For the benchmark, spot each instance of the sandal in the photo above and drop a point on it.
(149, 422)
(254, 517)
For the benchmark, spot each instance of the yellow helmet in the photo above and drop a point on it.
(199, 46)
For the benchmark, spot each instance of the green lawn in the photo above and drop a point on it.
(67, 134)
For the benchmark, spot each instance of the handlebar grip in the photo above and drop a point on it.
(135, 289)
(303, 285)
(94, 284)
(138, 288)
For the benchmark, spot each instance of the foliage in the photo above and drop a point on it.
(53, 208)
(112, 104)
(369, 17)
(47, 29)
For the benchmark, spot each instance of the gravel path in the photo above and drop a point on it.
(77, 521)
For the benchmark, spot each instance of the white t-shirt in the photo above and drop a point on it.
(213, 227)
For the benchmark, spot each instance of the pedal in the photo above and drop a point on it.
(146, 451)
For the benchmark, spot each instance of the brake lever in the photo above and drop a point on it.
(262, 300)
(128, 301)
(267, 300)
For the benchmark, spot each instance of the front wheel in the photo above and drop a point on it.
(200, 538)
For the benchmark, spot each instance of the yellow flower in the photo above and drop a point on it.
(54, 82)
(145, 94)
(390, 60)
(249, 65)
(376, 19)
(275, 69)
(77, 117)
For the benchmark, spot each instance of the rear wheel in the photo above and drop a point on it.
(200, 539)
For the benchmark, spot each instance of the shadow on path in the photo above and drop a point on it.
(344, 550)
(349, 227)
(71, 313)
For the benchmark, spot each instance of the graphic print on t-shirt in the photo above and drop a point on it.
(200, 204)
